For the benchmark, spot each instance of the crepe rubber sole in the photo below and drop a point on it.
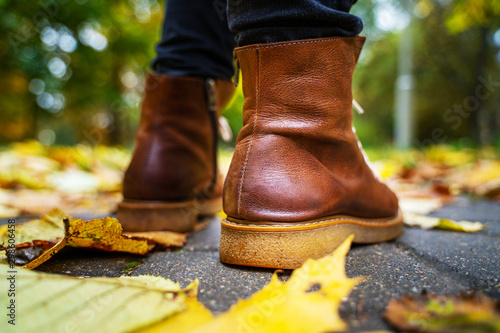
(141, 215)
(289, 245)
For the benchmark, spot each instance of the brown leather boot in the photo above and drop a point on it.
(299, 184)
(173, 178)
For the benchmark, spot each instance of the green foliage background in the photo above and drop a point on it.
(455, 42)
(99, 107)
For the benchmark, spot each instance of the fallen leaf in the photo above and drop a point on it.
(104, 234)
(39, 202)
(490, 189)
(195, 315)
(428, 222)
(161, 239)
(465, 226)
(307, 302)
(80, 180)
(45, 255)
(49, 227)
(420, 205)
(437, 313)
(41, 238)
(34, 252)
(422, 221)
(26, 252)
(388, 168)
(72, 181)
(6, 211)
(448, 156)
(57, 303)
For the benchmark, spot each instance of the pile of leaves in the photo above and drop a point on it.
(35, 179)
(155, 304)
(84, 180)
(426, 179)
(37, 240)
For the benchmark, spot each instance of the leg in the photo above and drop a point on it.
(299, 182)
(196, 41)
(173, 177)
(264, 21)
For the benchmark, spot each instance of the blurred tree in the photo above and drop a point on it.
(482, 18)
(456, 50)
(463, 15)
(375, 74)
(74, 67)
(455, 57)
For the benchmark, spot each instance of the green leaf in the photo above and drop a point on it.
(464, 226)
(57, 303)
(429, 222)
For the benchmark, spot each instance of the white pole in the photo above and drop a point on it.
(403, 94)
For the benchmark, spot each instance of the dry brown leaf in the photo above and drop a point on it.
(161, 239)
(45, 255)
(438, 313)
(33, 254)
(35, 242)
(39, 202)
(26, 252)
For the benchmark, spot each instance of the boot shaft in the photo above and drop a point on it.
(297, 157)
(176, 142)
(314, 77)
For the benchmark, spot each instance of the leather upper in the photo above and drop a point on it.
(174, 155)
(297, 157)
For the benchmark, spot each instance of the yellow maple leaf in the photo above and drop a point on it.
(307, 302)
(195, 315)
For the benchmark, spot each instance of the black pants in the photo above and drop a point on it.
(199, 35)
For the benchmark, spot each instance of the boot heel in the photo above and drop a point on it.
(289, 245)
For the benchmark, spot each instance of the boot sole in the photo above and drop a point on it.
(289, 245)
(139, 215)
